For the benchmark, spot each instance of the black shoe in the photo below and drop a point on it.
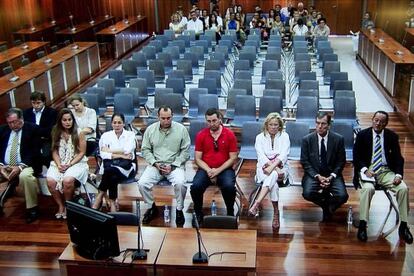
(362, 231)
(179, 218)
(327, 214)
(150, 214)
(199, 218)
(32, 214)
(405, 234)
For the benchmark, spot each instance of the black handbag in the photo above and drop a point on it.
(118, 162)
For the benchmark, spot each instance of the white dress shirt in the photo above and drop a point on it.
(38, 115)
(196, 26)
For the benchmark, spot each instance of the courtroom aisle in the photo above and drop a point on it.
(367, 91)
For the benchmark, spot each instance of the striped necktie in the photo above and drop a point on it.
(377, 158)
(13, 149)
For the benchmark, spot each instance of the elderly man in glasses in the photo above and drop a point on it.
(215, 153)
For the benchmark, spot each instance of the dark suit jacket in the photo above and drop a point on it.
(309, 156)
(29, 146)
(363, 152)
(47, 120)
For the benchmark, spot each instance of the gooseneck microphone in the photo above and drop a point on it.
(199, 257)
(140, 253)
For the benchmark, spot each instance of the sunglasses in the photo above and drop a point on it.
(215, 143)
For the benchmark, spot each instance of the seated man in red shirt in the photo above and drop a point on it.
(215, 153)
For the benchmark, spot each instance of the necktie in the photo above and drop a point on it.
(13, 150)
(377, 157)
(323, 161)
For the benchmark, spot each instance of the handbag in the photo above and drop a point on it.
(118, 162)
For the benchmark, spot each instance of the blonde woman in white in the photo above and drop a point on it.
(272, 147)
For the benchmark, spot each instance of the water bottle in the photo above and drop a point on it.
(213, 208)
(350, 219)
(166, 214)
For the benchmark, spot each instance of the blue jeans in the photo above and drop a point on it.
(225, 180)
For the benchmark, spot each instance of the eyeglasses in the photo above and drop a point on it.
(215, 143)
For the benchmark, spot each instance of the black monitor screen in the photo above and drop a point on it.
(93, 233)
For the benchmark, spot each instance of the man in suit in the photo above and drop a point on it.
(378, 160)
(18, 152)
(45, 118)
(323, 159)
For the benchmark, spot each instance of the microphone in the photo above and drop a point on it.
(72, 26)
(14, 77)
(140, 253)
(90, 16)
(386, 25)
(47, 60)
(199, 257)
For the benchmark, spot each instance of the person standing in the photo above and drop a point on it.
(323, 159)
(378, 161)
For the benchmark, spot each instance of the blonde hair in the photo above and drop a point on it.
(271, 116)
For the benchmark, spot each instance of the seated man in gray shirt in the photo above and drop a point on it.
(165, 146)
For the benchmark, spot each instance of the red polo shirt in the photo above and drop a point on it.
(226, 142)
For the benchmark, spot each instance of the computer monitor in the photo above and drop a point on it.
(93, 233)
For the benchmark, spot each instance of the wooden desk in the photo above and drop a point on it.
(15, 54)
(3, 43)
(123, 36)
(393, 66)
(71, 263)
(68, 68)
(85, 31)
(180, 244)
(43, 30)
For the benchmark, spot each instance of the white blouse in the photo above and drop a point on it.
(87, 119)
(125, 143)
(265, 151)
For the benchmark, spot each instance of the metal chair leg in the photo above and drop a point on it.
(397, 213)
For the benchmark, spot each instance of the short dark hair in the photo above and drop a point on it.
(300, 22)
(212, 111)
(120, 115)
(321, 19)
(15, 110)
(164, 108)
(38, 95)
(383, 113)
(322, 114)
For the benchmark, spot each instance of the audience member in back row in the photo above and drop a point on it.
(300, 29)
(45, 118)
(69, 167)
(215, 154)
(378, 162)
(117, 150)
(175, 24)
(214, 25)
(86, 122)
(195, 24)
(165, 147)
(19, 151)
(321, 29)
(323, 159)
(272, 148)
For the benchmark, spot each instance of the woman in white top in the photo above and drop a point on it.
(175, 24)
(300, 29)
(86, 121)
(117, 150)
(69, 166)
(272, 148)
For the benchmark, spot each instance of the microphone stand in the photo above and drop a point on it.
(14, 77)
(199, 257)
(140, 253)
